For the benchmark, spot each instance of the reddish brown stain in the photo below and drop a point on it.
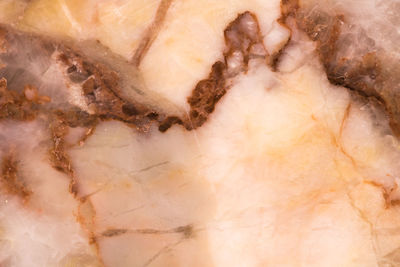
(101, 85)
(10, 180)
(101, 88)
(59, 158)
(206, 95)
(243, 41)
(288, 7)
(59, 125)
(20, 106)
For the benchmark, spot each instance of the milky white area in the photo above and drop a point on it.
(44, 230)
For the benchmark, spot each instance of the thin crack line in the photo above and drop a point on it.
(186, 230)
(150, 167)
(161, 251)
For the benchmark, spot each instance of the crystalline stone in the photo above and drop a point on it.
(199, 133)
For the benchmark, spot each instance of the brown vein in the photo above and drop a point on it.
(243, 42)
(152, 32)
(186, 231)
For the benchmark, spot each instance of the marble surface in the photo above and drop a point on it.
(199, 133)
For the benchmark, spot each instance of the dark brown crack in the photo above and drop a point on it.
(243, 42)
(206, 95)
(152, 32)
(10, 179)
(186, 231)
(168, 122)
(114, 232)
(363, 70)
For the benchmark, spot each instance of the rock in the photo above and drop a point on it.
(199, 133)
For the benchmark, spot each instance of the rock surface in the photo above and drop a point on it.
(199, 133)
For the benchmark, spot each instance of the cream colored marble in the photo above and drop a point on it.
(192, 40)
(289, 170)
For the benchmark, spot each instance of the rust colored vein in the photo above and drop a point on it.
(372, 80)
(27, 106)
(86, 218)
(61, 161)
(368, 70)
(101, 88)
(59, 125)
(243, 42)
(10, 179)
(58, 156)
(100, 85)
(151, 33)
